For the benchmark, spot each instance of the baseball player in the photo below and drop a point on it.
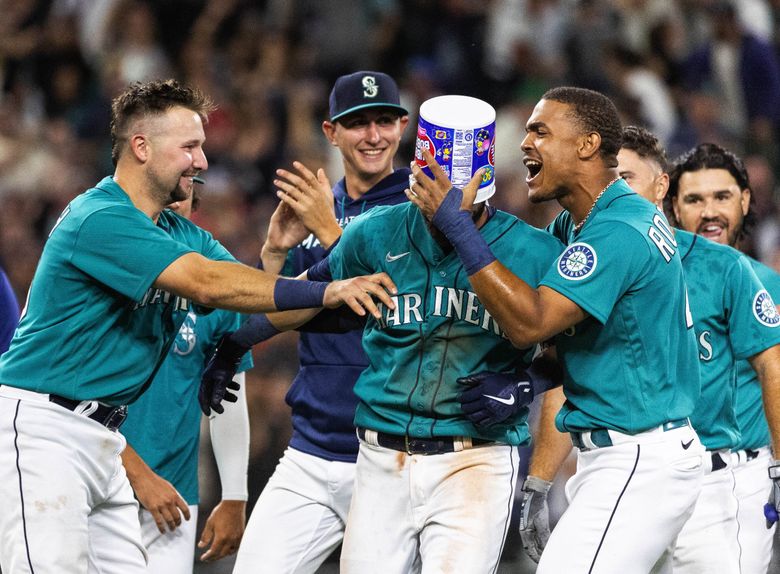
(105, 304)
(299, 518)
(9, 312)
(437, 464)
(730, 326)
(161, 459)
(629, 386)
(709, 194)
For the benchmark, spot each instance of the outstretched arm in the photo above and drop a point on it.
(526, 315)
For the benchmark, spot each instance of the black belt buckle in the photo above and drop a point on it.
(427, 446)
(115, 417)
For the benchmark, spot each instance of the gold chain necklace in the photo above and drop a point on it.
(579, 225)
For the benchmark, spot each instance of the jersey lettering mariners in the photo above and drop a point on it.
(730, 324)
(623, 370)
(439, 331)
(97, 266)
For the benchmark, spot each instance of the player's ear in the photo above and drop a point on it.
(139, 147)
(404, 122)
(589, 145)
(329, 129)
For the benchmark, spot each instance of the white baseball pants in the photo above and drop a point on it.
(430, 514)
(67, 506)
(627, 503)
(299, 518)
(174, 551)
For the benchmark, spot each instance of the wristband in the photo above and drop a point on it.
(459, 229)
(536, 484)
(294, 294)
(255, 330)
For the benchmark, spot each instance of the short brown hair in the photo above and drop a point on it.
(152, 98)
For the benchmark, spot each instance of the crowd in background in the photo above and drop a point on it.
(690, 70)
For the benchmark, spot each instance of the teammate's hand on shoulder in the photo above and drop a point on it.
(359, 293)
(493, 398)
(534, 516)
(772, 508)
(217, 379)
(223, 530)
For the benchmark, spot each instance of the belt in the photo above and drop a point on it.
(600, 438)
(109, 416)
(412, 445)
(746, 454)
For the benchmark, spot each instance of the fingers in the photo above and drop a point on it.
(435, 168)
(230, 397)
(470, 191)
(185, 509)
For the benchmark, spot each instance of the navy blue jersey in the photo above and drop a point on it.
(321, 397)
(9, 312)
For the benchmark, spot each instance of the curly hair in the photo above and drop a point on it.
(709, 156)
(594, 112)
(142, 99)
(642, 142)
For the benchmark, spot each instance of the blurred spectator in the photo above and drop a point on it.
(742, 71)
(9, 312)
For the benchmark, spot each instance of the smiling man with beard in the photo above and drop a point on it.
(108, 297)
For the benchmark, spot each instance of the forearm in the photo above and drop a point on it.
(273, 259)
(230, 441)
(135, 467)
(551, 447)
(227, 285)
(767, 367)
(515, 305)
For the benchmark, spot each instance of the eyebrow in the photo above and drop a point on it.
(533, 126)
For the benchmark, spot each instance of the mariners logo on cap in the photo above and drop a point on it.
(577, 262)
(370, 89)
(764, 309)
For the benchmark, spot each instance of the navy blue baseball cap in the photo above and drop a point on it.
(363, 90)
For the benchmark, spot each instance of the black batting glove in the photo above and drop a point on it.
(217, 379)
(493, 398)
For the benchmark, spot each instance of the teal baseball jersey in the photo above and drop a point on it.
(749, 404)
(439, 330)
(93, 327)
(632, 364)
(734, 319)
(163, 425)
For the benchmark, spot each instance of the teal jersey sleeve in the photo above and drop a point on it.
(754, 320)
(595, 275)
(122, 249)
(749, 404)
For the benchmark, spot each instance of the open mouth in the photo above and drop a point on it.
(711, 230)
(533, 166)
